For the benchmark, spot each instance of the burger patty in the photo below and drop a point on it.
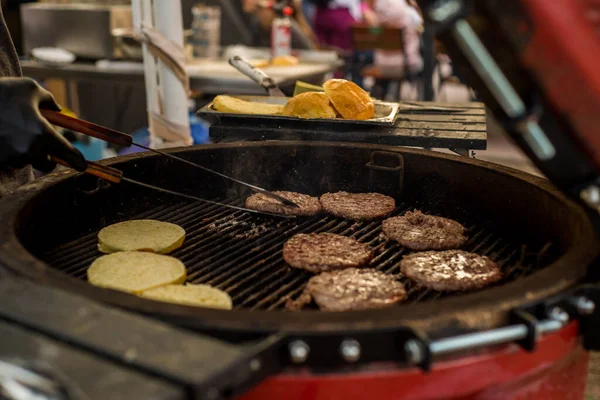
(350, 289)
(450, 270)
(358, 206)
(318, 252)
(308, 205)
(419, 231)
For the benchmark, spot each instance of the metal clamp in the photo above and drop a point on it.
(520, 317)
(100, 184)
(585, 302)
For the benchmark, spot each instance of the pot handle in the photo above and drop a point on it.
(256, 74)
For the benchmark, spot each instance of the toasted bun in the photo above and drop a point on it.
(349, 99)
(191, 295)
(142, 235)
(283, 61)
(260, 63)
(228, 104)
(135, 272)
(309, 105)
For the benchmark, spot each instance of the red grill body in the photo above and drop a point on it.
(556, 370)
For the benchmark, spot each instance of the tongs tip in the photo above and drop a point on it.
(290, 203)
(281, 199)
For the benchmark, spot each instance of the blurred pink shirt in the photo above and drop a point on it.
(399, 14)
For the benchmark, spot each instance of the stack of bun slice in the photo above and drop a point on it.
(136, 263)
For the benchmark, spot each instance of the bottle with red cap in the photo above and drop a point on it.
(281, 33)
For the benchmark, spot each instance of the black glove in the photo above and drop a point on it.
(26, 137)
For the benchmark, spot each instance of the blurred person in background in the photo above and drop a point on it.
(263, 16)
(408, 62)
(360, 59)
(309, 10)
(333, 23)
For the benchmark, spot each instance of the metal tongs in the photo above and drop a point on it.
(257, 75)
(116, 176)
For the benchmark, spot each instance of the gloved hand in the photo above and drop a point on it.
(26, 137)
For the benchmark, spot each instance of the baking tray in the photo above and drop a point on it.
(385, 113)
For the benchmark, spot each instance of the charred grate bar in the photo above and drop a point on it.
(241, 253)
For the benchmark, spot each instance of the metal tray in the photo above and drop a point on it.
(385, 113)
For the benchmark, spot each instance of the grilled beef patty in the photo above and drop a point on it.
(350, 289)
(419, 231)
(308, 205)
(450, 270)
(358, 206)
(318, 252)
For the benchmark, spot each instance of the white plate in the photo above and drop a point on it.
(53, 56)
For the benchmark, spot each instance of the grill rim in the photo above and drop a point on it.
(480, 310)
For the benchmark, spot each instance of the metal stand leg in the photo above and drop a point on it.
(428, 64)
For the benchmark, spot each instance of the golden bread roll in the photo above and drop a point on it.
(309, 105)
(260, 63)
(284, 61)
(135, 271)
(190, 295)
(234, 105)
(141, 235)
(349, 99)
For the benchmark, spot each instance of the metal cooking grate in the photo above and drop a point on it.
(241, 253)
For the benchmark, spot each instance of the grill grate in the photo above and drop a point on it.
(241, 253)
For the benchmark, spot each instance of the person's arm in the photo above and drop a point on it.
(26, 137)
(369, 16)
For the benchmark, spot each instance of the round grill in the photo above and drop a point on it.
(542, 241)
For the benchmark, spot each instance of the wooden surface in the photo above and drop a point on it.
(459, 126)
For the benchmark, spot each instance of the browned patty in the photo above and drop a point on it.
(358, 206)
(308, 205)
(419, 231)
(318, 252)
(450, 270)
(350, 289)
